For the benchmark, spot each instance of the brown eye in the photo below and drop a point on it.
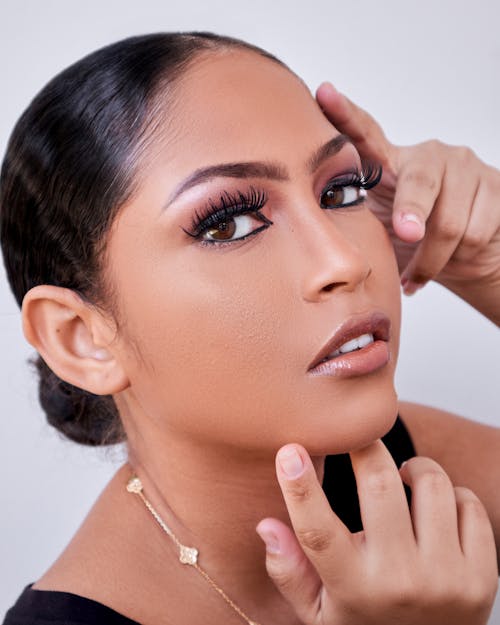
(233, 228)
(341, 196)
(332, 197)
(225, 230)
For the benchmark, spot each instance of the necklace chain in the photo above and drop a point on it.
(187, 555)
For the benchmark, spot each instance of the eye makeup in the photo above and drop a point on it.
(342, 191)
(229, 206)
(350, 189)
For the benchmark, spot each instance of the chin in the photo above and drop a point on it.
(350, 423)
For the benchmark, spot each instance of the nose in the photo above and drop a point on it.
(331, 261)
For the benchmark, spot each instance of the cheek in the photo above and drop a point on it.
(208, 346)
(224, 351)
(386, 279)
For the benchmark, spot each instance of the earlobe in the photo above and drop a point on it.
(73, 338)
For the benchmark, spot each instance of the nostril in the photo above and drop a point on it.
(328, 287)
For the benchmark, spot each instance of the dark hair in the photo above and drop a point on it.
(68, 168)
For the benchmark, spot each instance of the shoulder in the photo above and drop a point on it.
(434, 430)
(47, 607)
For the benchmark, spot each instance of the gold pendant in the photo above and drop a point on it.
(134, 485)
(188, 555)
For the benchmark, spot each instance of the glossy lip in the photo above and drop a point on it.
(376, 323)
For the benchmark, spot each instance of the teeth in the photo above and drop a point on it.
(364, 340)
(353, 344)
(350, 346)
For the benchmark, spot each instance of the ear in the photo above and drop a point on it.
(74, 338)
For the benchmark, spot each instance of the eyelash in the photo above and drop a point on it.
(365, 180)
(231, 205)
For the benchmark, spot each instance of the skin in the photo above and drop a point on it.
(207, 351)
(444, 226)
(439, 204)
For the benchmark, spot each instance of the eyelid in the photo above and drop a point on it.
(228, 205)
(232, 242)
(366, 176)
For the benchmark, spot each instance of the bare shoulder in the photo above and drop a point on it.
(114, 551)
(467, 450)
(434, 430)
(93, 553)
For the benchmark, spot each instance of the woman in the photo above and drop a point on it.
(189, 239)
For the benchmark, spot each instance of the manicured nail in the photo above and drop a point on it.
(290, 461)
(271, 541)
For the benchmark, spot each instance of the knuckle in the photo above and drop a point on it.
(477, 595)
(316, 540)
(282, 577)
(421, 178)
(298, 490)
(381, 480)
(464, 154)
(433, 480)
(405, 593)
(491, 180)
(471, 506)
(436, 144)
(449, 230)
(474, 240)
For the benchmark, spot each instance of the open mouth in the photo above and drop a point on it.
(352, 345)
(360, 333)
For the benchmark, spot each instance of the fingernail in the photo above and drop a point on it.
(410, 288)
(330, 86)
(411, 217)
(271, 541)
(290, 462)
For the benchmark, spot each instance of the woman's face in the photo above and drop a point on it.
(218, 336)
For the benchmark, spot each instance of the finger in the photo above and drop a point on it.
(367, 136)
(484, 221)
(382, 501)
(324, 538)
(290, 570)
(475, 532)
(433, 506)
(445, 226)
(418, 187)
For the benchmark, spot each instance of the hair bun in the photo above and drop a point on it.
(81, 416)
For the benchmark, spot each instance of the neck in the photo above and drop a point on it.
(213, 500)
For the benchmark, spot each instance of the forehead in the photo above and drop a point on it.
(237, 105)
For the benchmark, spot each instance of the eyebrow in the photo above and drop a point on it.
(257, 169)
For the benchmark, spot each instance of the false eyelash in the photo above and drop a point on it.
(229, 205)
(366, 179)
(371, 174)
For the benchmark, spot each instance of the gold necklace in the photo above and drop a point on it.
(187, 555)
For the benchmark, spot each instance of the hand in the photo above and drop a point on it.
(436, 565)
(440, 204)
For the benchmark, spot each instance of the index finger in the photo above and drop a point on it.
(324, 538)
(367, 136)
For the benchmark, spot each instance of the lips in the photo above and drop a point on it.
(375, 323)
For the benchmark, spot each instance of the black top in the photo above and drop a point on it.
(47, 607)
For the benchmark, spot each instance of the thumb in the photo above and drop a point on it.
(289, 568)
(367, 136)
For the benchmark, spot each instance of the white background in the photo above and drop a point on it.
(423, 68)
